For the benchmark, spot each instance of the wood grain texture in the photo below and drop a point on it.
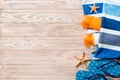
(41, 30)
(42, 43)
(39, 39)
(38, 64)
(42, 4)
(41, 16)
(61, 58)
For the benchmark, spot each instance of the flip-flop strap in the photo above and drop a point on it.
(99, 75)
(102, 69)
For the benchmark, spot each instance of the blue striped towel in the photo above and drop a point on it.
(109, 40)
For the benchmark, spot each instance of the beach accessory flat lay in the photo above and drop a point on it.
(98, 68)
(104, 17)
(108, 10)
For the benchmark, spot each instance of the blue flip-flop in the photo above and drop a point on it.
(86, 75)
(105, 67)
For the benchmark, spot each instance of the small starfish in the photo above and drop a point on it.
(94, 8)
(82, 61)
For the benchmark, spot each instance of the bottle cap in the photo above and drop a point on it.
(91, 22)
(89, 40)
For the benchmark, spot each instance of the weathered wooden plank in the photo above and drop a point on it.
(42, 4)
(41, 30)
(42, 16)
(48, 52)
(52, 65)
(42, 43)
(60, 58)
(36, 71)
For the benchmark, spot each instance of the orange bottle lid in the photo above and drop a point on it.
(89, 40)
(91, 22)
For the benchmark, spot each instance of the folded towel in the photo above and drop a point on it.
(109, 40)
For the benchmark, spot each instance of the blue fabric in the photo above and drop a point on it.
(106, 53)
(106, 8)
(109, 39)
(86, 75)
(112, 68)
(87, 9)
(110, 24)
(111, 9)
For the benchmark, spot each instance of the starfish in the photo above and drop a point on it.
(93, 8)
(82, 61)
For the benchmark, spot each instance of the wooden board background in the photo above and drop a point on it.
(39, 39)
